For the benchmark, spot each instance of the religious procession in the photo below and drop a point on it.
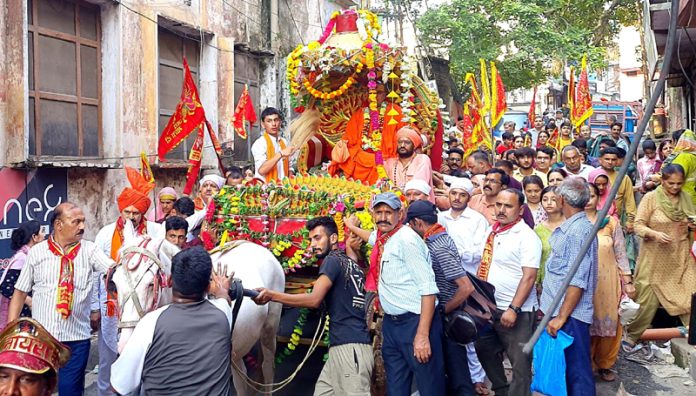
(192, 207)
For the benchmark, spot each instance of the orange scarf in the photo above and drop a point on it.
(66, 285)
(487, 256)
(270, 153)
(117, 238)
(372, 279)
(434, 229)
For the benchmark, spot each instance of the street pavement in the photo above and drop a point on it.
(633, 379)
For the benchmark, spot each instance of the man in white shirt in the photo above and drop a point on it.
(469, 229)
(271, 152)
(133, 204)
(193, 328)
(573, 162)
(510, 261)
(59, 271)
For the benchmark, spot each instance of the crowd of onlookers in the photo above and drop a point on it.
(513, 217)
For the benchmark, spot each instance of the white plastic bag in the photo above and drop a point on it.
(628, 309)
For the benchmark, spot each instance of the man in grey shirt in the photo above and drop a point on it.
(182, 348)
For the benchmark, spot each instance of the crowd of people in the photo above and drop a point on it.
(513, 216)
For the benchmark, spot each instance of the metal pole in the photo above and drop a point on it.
(659, 88)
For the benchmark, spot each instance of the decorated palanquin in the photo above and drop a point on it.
(274, 215)
(364, 92)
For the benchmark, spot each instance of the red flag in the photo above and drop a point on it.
(571, 96)
(194, 161)
(532, 109)
(243, 112)
(188, 115)
(499, 103)
(583, 100)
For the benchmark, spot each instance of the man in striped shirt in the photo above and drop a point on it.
(59, 272)
(412, 328)
(455, 287)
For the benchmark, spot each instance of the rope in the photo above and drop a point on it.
(259, 387)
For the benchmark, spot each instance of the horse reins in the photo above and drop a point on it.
(158, 280)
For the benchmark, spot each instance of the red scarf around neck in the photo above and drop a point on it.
(66, 284)
(372, 279)
(487, 256)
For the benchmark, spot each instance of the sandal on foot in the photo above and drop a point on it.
(630, 348)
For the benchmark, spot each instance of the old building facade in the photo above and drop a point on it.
(87, 85)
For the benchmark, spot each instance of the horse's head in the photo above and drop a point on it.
(141, 280)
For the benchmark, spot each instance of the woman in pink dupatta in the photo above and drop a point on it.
(23, 238)
(600, 178)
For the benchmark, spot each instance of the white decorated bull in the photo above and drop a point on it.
(141, 280)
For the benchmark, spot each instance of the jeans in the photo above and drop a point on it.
(579, 377)
(498, 339)
(398, 332)
(71, 378)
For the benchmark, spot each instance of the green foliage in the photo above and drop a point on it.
(529, 39)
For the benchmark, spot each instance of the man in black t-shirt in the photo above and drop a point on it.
(341, 286)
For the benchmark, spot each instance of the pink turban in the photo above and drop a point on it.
(412, 134)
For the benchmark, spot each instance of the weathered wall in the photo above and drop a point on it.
(129, 106)
(13, 84)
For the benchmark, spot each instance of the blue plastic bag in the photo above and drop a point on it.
(549, 364)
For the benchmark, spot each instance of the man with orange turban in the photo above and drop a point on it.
(133, 202)
(409, 165)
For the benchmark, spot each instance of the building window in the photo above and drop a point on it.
(247, 70)
(172, 50)
(64, 78)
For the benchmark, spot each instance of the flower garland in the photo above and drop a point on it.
(406, 85)
(336, 93)
(325, 339)
(295, 336)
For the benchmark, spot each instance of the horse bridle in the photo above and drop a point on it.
(159, 278)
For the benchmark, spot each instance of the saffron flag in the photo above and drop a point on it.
(476, 132)
(583, 99)
(571, 96)
(485, 90)
(188, 115)
(498, 101)
(532, 109)
(145, 169)
(194, 161)
(243, 112)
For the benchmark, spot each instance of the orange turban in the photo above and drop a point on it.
(412, 134)
(136, 195)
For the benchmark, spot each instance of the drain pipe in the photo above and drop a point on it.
(659, 88)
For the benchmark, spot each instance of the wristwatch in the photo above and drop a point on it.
(515, 309)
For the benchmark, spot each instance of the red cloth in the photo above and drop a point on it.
(372, 279)
(66, 284)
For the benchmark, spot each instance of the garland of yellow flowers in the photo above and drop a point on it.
(336, 93)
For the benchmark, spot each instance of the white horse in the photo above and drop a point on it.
(142, 281)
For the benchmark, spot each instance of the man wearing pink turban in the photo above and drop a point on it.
(409, 165)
